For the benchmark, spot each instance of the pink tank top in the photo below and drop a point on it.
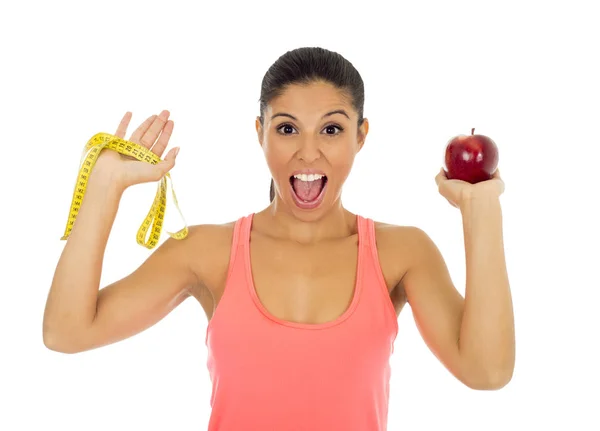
(270, 374)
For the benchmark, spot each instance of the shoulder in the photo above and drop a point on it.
(205, 250)
(412, 248)
(396, 246)
(207, 237)
(208, 240)
(402, 246)
(400, 237)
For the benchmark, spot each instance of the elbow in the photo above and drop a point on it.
(490, 382)
(59, 343)
(54, 344)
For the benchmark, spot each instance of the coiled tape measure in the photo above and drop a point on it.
(156, 215)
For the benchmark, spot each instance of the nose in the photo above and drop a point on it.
(309, 150)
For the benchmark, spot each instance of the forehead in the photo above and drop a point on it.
(310, 98)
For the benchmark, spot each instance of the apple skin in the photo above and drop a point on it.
(471, 158)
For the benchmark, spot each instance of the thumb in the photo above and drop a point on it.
(167, 164)
(171, 155)
(169, 160)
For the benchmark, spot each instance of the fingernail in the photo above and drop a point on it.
(176, 151)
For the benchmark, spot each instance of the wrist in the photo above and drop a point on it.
(479, 202)
(106, 183)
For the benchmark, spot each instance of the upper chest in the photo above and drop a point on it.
(310, 283)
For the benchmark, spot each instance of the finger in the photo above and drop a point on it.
(164, 166)
(496, 174)
(441, 176)
(139, 132)
(122, 129)
(149, 137)
(172, 155)
(451, 203)
(163, 140)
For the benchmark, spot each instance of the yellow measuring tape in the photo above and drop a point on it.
(156, 215)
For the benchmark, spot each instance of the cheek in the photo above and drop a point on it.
(342, 162)
(277, 155)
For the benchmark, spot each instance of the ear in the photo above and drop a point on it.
(363, 131)
(259, 131)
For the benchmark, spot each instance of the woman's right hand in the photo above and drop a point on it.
(124, 171)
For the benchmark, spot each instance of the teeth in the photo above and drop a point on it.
(310, 177)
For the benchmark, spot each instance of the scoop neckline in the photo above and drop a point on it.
(298, 325)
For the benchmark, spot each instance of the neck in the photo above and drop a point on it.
(280, 222)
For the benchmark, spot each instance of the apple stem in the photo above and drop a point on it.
(472, 130)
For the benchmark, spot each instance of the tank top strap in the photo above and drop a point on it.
(370, 241)
(376, 290)
(235, 281)
(245, 228)
(366, 237)
(241, 231)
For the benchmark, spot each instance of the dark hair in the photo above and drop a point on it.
(307, 65)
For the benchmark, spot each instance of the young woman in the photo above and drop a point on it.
(303, 297)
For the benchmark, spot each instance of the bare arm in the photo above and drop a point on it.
(472, 336)
(487, 333)
(436, 304)
(78, 316)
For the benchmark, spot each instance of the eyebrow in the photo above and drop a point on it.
(337, 111)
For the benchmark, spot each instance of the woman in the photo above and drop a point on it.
(303, 297)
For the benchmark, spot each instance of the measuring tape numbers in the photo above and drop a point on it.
(149, 232)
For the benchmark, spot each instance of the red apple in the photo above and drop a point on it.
(471, 158)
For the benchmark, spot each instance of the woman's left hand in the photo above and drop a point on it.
(457, 191)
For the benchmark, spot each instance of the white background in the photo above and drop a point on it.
(524, 73)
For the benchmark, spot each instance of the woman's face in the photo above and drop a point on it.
(310, 138)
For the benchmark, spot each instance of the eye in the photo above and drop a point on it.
(287, 129)
(332, 128)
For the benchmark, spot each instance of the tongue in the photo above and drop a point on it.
(308, 190)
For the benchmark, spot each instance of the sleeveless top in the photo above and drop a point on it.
(276, 375)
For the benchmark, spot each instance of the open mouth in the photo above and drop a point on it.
(308, 190)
